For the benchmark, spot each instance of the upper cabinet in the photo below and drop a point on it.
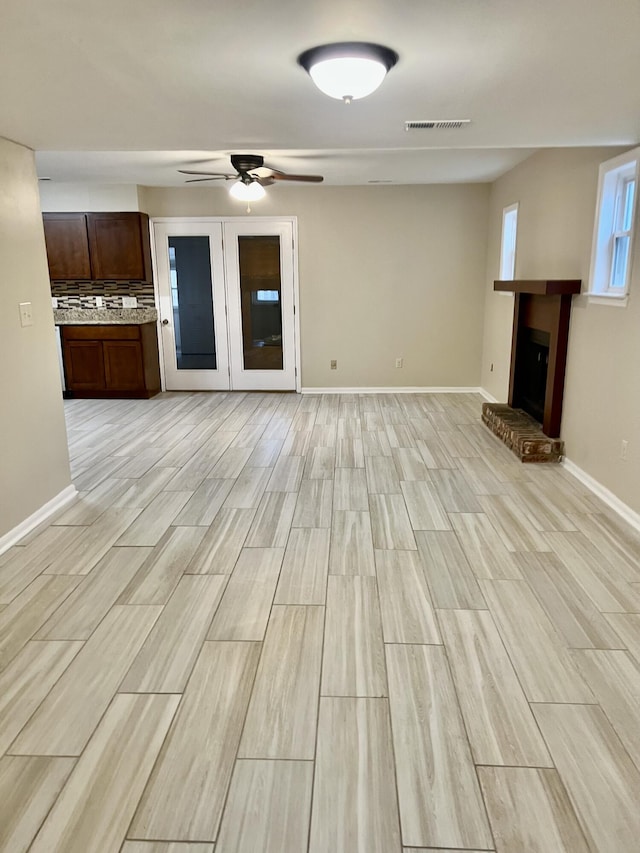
(98, 246)
(119, 246)
(67, 245)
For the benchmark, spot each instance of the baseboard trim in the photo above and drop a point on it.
(487, 396)
(398, 390)
(50, 508)
(608, 497)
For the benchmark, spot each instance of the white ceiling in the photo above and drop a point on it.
(129, 90)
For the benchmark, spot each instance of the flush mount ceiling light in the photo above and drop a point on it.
(247, 191)
(348, 70)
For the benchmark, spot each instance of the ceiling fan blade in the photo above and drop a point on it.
(209, 174)
(309, 179)
(246, 164)
(212, 178)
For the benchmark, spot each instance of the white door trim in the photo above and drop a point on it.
(156, 299)
(296, 305)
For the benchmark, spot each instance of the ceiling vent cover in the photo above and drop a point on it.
(437, 124)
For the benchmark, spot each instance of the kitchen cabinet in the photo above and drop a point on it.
(67, 246)
(123, 365)
(111, 361)
(119, 246)
(83, 365)
(98, 246)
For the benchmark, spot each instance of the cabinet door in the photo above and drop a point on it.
(119, 246)
(84, 365)
(67, 245)
(123, 366)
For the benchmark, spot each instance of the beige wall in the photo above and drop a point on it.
(34, 462)
(385, 272)
(557, 190)
(408, 271)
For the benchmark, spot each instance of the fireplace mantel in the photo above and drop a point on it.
(541, 287)
(541, 305)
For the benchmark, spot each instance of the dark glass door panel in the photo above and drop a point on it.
(261, 302)
(192, 302)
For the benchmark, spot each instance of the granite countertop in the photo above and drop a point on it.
(104, 316)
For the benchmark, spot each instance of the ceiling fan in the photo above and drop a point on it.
(245, 165)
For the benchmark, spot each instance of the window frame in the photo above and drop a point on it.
(510, 256)
(619, 231)
(614, 177)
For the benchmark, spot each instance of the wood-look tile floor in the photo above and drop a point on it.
(336, 624)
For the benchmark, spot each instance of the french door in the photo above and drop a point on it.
(191, 300)
(226, 303)
(260, 304)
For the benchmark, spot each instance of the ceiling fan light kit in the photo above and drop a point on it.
(252, 191)
(348, 71)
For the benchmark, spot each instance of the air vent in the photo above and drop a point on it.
(437, 124)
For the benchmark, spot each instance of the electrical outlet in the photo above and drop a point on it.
(54, 301)
(399, 362)
(129, 302)
(623, 449)
(26, 314)
(334, 364)
(99, 302)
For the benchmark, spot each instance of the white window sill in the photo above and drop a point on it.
(612, 299)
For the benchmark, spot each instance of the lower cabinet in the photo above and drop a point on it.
(123, 365)
(111, 361)
(83, 365)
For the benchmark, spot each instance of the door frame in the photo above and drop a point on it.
(293, 220)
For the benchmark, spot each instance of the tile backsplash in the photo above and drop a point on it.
(82, 294)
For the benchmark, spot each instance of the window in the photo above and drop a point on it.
(508, 244)
(173, 276)
(613, 232)
(265, 296)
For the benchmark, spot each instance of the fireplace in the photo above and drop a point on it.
(539, 347)
(531, 369)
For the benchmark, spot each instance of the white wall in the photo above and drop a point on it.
(385, 272)
(34, 461)
(62, 197)
(556, 190)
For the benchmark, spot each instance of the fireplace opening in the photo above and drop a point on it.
(532, 362)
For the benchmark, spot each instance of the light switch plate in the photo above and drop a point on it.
(26, 314)
(129, 302)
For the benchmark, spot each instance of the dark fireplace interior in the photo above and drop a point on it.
(530, 380)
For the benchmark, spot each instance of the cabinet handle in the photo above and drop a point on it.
(165, 322)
